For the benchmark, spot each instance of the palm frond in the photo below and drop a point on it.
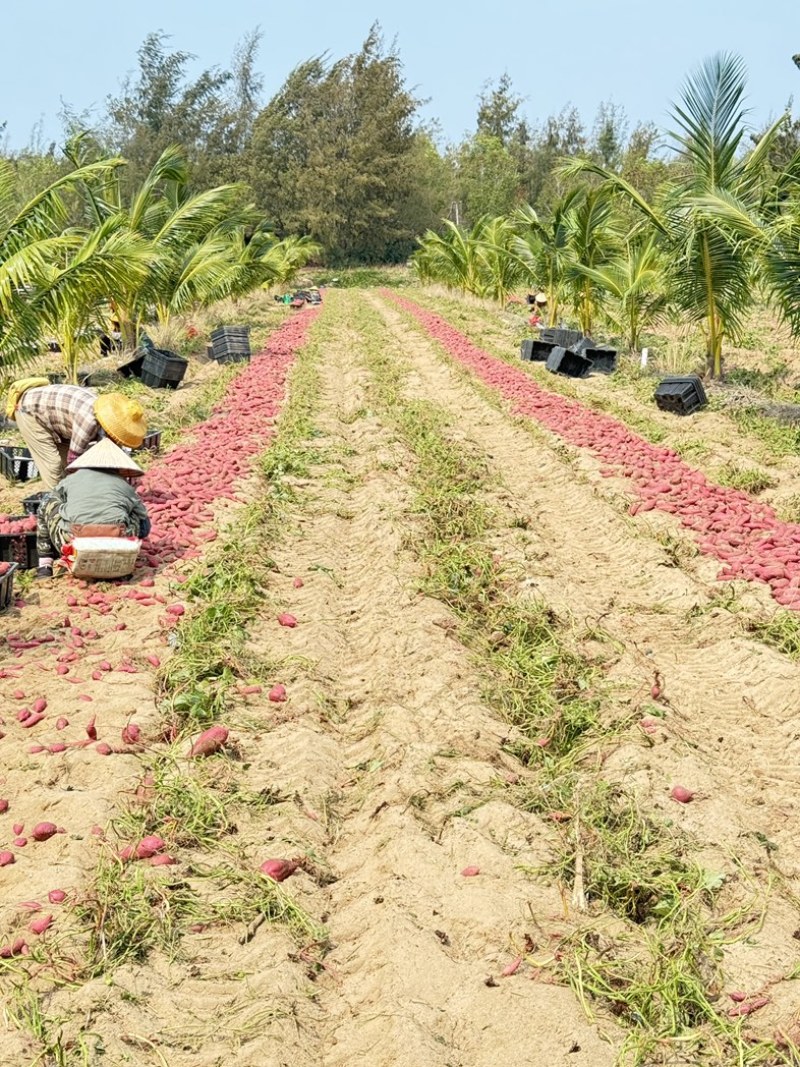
(710, 118)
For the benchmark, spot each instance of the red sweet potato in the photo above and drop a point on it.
(210, 741)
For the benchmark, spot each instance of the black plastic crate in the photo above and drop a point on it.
(16, 463)
(232, 356)
(33, 503)
(156, 381)
(133, 368)
(680, 395)
(151, 442)
(231, 335)
(541, 351)
(563, 361)
(7, 587)
(231, 344)
(560, 336)
(163, 369)
(581, 344)
(19, 548)
(603, 359)
(165, 364)
(536, 351)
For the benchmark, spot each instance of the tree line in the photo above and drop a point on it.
(612, 223)
(339, 154)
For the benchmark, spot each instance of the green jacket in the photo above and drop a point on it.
(100, 497)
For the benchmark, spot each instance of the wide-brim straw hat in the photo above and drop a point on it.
(106, 456)
(122, 418)
(541, 298)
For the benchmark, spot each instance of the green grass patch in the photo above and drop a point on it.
(781, 439)
(748, 479)
(782, 631)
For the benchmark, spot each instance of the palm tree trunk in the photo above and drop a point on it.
(714, 341)
(69, 356)
(633, 330)
(128, 329)
(552, 300)
(586, 309)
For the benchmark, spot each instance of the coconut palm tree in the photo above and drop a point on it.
(710, 262)
(281, 260)
(451, 257)
(72, 292)
(33, 239)
(542, 247)
(592, 240)
(187, 233)
(633, 282)
(499, 268)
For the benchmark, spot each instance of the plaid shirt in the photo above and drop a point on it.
(66, 410)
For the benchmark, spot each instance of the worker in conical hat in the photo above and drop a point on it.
(95, 499)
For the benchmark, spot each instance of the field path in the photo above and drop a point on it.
(410, 751)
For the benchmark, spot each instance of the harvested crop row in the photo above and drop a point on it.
(181, 487)
(746, 536)
(732, 446)
(180, 490)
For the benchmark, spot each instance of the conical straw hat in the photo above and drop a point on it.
(105, 456)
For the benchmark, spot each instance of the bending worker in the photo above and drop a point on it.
(59, 422)
(97, 500)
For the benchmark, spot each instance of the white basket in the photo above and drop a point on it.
(104, 557)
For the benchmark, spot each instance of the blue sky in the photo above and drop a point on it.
(632, 52)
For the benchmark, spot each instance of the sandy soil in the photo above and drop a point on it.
(389, 772)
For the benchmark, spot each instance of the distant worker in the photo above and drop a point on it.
(539, 309)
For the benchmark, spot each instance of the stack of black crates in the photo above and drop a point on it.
(230, 344)
(680, 395)
(568, 352)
